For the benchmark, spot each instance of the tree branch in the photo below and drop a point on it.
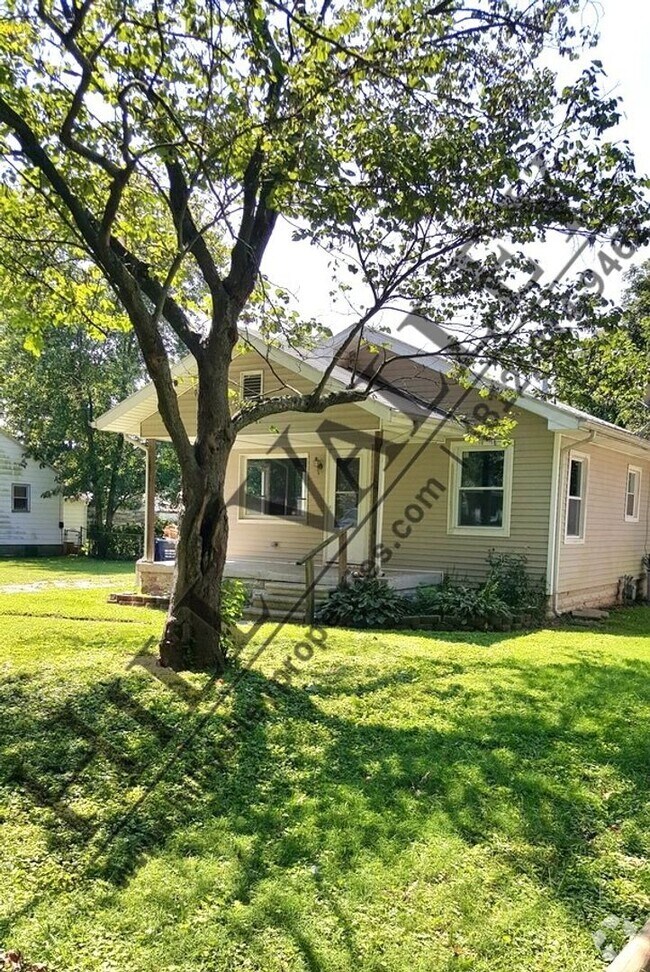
(114, 261)
(300, 403)
(189, 235)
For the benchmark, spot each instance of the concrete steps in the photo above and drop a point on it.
(282, 600)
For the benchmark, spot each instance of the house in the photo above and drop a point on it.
(396, 471)
(31, 509)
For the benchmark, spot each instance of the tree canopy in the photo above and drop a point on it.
(49, 399)
(608, 373)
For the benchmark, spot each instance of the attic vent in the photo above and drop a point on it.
(251, 384)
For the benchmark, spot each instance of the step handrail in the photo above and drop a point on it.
(308, 563)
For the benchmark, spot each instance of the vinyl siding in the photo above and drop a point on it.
(431, 547)
(39, 527)
(275, 538)
(612, 546)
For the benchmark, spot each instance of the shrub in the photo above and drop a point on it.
(234, 595)
(511, 582)
(474, 605)
(508, 591)
(366, 603)
(121, 543)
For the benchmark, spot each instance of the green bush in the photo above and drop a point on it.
(509, 580)
(234, 595)
(507, 593)
(121, 543)
(366, 603)
(475, 605)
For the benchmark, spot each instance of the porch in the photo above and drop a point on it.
(279, 588)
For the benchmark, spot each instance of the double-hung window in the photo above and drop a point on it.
(576, 501)
(20, 498)
(481, 487)
(275, 487)
(632, 494)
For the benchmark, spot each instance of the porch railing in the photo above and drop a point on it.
(308, 563)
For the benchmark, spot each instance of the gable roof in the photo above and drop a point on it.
(388, 401)
(559, 415)
(23, 449)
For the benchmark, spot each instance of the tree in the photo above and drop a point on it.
(160, 143)
(49, 398)
(607, 373)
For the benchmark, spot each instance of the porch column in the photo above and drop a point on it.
(150, 501)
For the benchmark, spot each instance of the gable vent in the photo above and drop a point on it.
(251, 385)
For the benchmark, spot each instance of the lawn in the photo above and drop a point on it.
(410, 801)
(56, 570)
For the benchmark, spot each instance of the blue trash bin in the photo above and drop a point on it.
(164, 549)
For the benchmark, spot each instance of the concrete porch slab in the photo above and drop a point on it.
(155, 577)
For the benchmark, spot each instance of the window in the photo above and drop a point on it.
(20, 498)
(346, 494)
(251, 385)
(632, 494)
(576, 498)
(275, 487)
(481, 488)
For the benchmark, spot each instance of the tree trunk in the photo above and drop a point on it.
(192, 639)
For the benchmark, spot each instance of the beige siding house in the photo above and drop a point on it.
(414, 495)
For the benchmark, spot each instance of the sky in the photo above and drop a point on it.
(624, 49)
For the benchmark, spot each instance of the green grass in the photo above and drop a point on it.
(410, 802)
(71, 569)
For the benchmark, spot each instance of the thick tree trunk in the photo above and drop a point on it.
(192, 639)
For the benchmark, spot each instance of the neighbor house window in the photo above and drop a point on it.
(251, 385)
(20, 498)
(481, 486)
(275, 487)
(632, 494)
(576, 498)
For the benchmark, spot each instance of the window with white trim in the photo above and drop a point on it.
(275, 487)
(481, 489)
(251, 385)
(576, 498)
(21, 500)
(632, 494)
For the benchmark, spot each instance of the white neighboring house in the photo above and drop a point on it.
(30, 524)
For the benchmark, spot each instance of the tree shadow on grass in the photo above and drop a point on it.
(493, 751)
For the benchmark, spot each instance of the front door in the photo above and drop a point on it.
(349, 501)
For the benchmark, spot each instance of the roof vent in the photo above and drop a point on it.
(251, 385)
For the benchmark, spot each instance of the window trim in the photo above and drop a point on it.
(243, 516)
(634, 518)
(250, 374)
(455, 451)
(26, 486)
(584, 459)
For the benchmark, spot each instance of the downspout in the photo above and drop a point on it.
(557, 546)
